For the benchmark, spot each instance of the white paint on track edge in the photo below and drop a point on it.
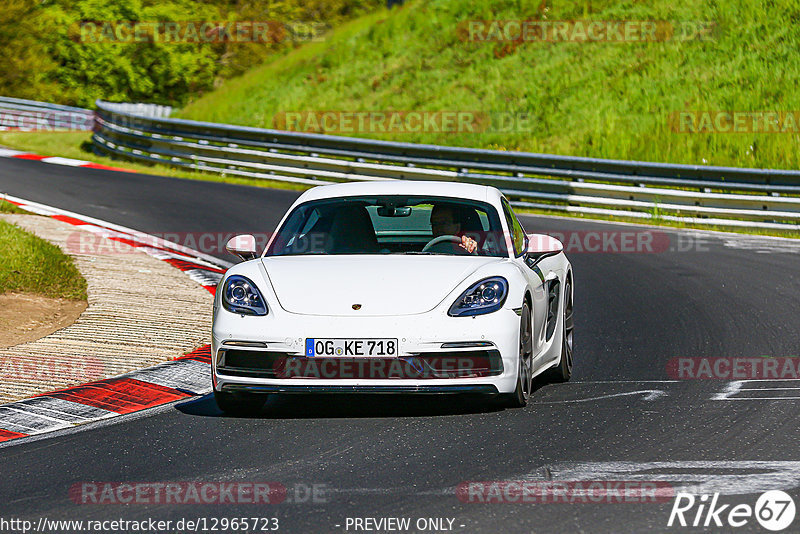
(44, 209)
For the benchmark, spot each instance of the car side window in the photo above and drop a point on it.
(517, 233)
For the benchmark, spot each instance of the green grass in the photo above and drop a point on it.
(64, 144)
(8, 207)
(609, 100)
(31, 264)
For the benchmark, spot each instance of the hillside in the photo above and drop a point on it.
(603, 99)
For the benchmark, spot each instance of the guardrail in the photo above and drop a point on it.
(29, 115)
(144, 110)
(723, 196)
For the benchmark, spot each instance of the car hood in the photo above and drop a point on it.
(381, 285)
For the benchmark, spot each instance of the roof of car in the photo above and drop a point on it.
(404, 187)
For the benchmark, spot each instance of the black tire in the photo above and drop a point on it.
(522, 392)
(563, 371)
(239, 403)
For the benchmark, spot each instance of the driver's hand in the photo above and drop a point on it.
(468, 244)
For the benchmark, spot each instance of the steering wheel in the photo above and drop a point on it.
(441, 239)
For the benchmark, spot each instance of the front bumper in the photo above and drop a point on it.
(486, 389)
(494, 337)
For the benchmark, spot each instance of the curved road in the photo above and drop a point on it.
(703, 295)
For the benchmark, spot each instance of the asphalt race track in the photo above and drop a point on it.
(621, 418)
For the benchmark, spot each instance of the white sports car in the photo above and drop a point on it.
(393, 287)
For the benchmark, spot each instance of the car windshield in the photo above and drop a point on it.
(390, 225)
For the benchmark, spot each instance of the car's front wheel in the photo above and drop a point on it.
(519, 397)
(239, 403)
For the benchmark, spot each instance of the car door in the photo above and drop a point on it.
(536, 280)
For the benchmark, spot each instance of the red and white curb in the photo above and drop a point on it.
(56, 160)
(182, 378)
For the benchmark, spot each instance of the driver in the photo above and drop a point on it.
(446, 220)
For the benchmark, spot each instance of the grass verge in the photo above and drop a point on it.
(8, 207)
(31, 264)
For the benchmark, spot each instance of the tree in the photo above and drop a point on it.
(26, 69)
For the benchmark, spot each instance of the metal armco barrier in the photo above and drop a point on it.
(723, 196)
(17, 114)
(145, 110)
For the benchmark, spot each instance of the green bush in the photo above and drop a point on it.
(51, 57)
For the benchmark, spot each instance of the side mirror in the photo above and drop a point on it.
(243, 246)
(541, 246)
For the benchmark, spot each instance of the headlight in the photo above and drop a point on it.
(240, 295)
(484, 297)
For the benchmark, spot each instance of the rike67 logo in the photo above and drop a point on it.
(774, 510)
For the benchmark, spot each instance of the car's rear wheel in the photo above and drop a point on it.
(563, 371)
(519, 398)
(239, 403)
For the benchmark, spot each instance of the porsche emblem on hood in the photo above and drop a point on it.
(356, 307)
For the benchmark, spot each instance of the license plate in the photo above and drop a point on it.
(344, 347)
